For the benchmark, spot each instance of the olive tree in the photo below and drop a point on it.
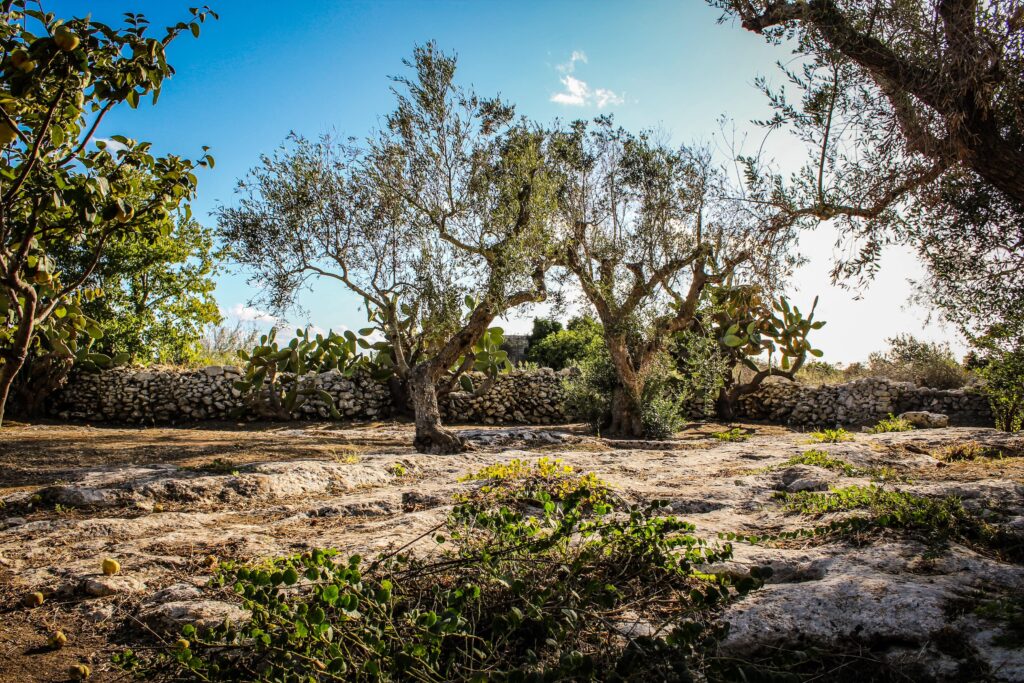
(913, 115)
(446, 206)
(645, 229)
(59, 80)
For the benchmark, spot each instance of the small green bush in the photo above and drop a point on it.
(558, 349)
(831, 436)
(525, 480)
(822, 459)
(937, 519)
(588, 390)
(825, 461)
(519, 596)
(891, 424)
(926, 364)
(1003, 377)
(734, 434)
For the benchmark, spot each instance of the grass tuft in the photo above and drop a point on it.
(891, 424)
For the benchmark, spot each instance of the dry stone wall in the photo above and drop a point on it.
(169, 395)
(860, 402)
(174, 395)
(533, 397)
(149, 396)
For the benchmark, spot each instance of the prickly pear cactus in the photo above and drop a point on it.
(748, 326)
(278, 380)
(406, 341)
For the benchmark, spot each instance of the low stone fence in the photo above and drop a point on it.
(172, 395)
(175, 395)
(154, 395)
(533, 397)
(860, 402)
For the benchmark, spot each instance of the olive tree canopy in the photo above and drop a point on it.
(646, 229)
(447, 204)
(914, 115)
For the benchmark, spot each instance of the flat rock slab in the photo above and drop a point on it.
(925, 420)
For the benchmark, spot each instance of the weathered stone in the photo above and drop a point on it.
(102, 586)
(925, 419)
(203, 614)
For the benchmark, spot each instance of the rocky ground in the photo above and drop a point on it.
(168, 504)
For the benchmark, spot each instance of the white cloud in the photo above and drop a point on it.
(249, 314)
(570, 66)
(577, 93)
(604, 97)
(112, 146)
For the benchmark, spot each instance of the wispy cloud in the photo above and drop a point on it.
(249, 314)
(112, 146)
(576, 92)
(570, 66)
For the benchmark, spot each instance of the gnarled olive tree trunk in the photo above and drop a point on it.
(14, 358)
(626, 405)
(431, 435)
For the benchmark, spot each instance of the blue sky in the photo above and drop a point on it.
(262, 71)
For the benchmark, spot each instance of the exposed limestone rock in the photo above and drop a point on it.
(169, 617)
(890, 596)
(925, 420)
(102, 586)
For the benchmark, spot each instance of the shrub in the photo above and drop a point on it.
(891, 424)
(701, 368)
(588, 390)
(543, 327)
(1003, 375)
(824, 460)
(926, 364)
(820, 372)
(937, 519)
(559, 349)
(519, 597)
(662, 416)
(523, 480)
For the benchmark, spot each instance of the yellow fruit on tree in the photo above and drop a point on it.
(111, 567)
(7, 134)
(21, 60)
(65, 39)
(123, 215)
